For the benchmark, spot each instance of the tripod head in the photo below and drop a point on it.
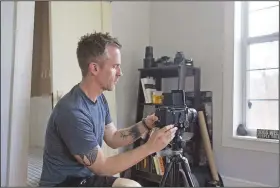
(181, 136)
(177, 144)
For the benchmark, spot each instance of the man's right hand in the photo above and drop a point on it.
(161, 138)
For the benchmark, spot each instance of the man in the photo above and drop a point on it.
(81, 120)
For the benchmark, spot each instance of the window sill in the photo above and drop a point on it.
(252, 143)
(252, 138)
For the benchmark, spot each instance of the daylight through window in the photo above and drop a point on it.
(260, 64)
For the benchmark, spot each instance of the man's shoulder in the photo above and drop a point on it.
(71, 100)
(103, 99)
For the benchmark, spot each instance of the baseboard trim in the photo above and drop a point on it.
(235, 182)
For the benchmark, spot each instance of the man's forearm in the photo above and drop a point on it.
(118, 163)
(128, 135)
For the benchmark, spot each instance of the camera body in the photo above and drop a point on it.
(175, 111)
(171, 115)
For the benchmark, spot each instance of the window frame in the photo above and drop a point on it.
(246, 41)
(232, 113)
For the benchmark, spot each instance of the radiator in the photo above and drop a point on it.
(35, 163)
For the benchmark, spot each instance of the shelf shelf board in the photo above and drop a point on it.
(148, 176)
(150, 104)
(166, 71)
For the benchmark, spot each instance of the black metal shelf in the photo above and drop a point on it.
(180, 71)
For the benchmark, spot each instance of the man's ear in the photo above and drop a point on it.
(93, 68)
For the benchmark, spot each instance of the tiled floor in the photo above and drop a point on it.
(35, 162)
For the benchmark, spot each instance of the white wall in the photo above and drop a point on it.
(7, 43)
(197, 29)
(69, 21)
(131, 24)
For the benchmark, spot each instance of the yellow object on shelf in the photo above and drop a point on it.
(157, 97)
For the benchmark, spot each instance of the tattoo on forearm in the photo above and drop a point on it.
(133, 131)
(89, 159)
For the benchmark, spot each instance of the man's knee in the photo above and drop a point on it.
(123, 182)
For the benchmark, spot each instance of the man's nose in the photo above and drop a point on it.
(120, 72)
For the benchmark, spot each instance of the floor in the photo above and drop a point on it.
(35, 162)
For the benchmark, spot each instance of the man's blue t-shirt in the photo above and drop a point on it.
(76, 126)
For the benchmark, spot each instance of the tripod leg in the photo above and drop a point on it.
(186, 168)
(175, 180)
(166, 173)
(184, 178)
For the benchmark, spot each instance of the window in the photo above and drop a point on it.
(260, 65)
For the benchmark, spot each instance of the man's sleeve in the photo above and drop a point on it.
(76, 131)
(108, 118)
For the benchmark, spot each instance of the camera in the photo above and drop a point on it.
(179, 59)
(175, 111)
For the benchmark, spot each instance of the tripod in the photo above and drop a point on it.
(179, 165)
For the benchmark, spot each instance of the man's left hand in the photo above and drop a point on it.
(150, 120)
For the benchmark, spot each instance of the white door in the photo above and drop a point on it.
(68, 22)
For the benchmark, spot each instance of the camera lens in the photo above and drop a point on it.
(149, 52)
